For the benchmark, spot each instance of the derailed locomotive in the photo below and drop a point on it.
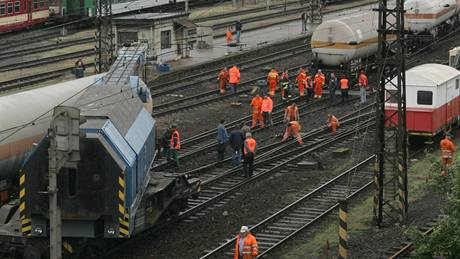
(112, 193)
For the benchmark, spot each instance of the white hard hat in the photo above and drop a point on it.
(244, 229)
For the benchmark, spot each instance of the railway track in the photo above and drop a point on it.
(27, 81)
(48, 47)
(305, 211)
(221, 184)
(405, 248)
(48, 60)
(207, 97)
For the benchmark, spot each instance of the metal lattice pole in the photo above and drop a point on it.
(391, 141)
(104, 36)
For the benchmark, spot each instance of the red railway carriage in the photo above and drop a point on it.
(433, 99)
(19, 14)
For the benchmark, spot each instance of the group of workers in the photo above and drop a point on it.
(312, 87)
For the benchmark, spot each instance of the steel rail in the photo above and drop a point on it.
(294, 205)
(44, 61)
(280, 159)
(211, 74)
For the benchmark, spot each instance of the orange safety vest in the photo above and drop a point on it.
(344, 84)
(302, 78)
(249, 145)
(175, 137)
(229, 36)
(334, 120)
(447, 148)
(319, 80)
(292, 113)
(267, 105)
(363, 80)
(223, 75)
(273, 75)
(250, 248)
(295, 126)
(234, 74)
(256, 104)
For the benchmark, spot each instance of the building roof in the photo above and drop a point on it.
(148, 17)
(138, 5)
(430, 74)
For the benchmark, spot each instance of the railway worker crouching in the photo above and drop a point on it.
(333, 83)
(222, 78)
(79, 69)
(319, 81)
(234, 77)
(332, 122)
(249, 150)
(272, 80)
(246, 245)
(363, 83)
(222, 139)
(293, 129)
(291, 113)
(256, 104)
(236, 142)
(344, 88)
(447, 147)
(267, 108)
(174, 145)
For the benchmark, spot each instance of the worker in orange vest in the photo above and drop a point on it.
(309, 85)
(319, 80)
(234, 77)
(267, 108)
(301, 81)
(332, 122)
(174, 145)
(249, 150)
(344, 88)
(223, 79)
(362, 82)
(256, 104)
(228, 37)
(447, 152)
(291, 113)
(293, 129)
(246, 245)
(272, 80)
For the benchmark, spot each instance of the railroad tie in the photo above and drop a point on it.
(343, 230)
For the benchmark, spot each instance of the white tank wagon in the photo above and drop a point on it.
(342, 40)
(426, 15)
(17, 135)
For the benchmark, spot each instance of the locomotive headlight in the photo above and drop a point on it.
(38, 230)
(111, 231)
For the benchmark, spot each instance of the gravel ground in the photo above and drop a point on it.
(251, 205)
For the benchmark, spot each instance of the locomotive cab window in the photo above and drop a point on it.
(17, 6)
(457, 83)
(425, 97)
(10, 8)
(2, 9)
(42, 3)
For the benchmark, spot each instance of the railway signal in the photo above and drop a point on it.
(391, 141)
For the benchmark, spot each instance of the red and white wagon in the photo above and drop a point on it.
(433, 99)
(19, 14)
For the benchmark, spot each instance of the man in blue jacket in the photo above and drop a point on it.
(222, 139)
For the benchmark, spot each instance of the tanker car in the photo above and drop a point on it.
(348, 42)
(112, 193)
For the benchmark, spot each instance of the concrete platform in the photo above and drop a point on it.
(264, 33)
